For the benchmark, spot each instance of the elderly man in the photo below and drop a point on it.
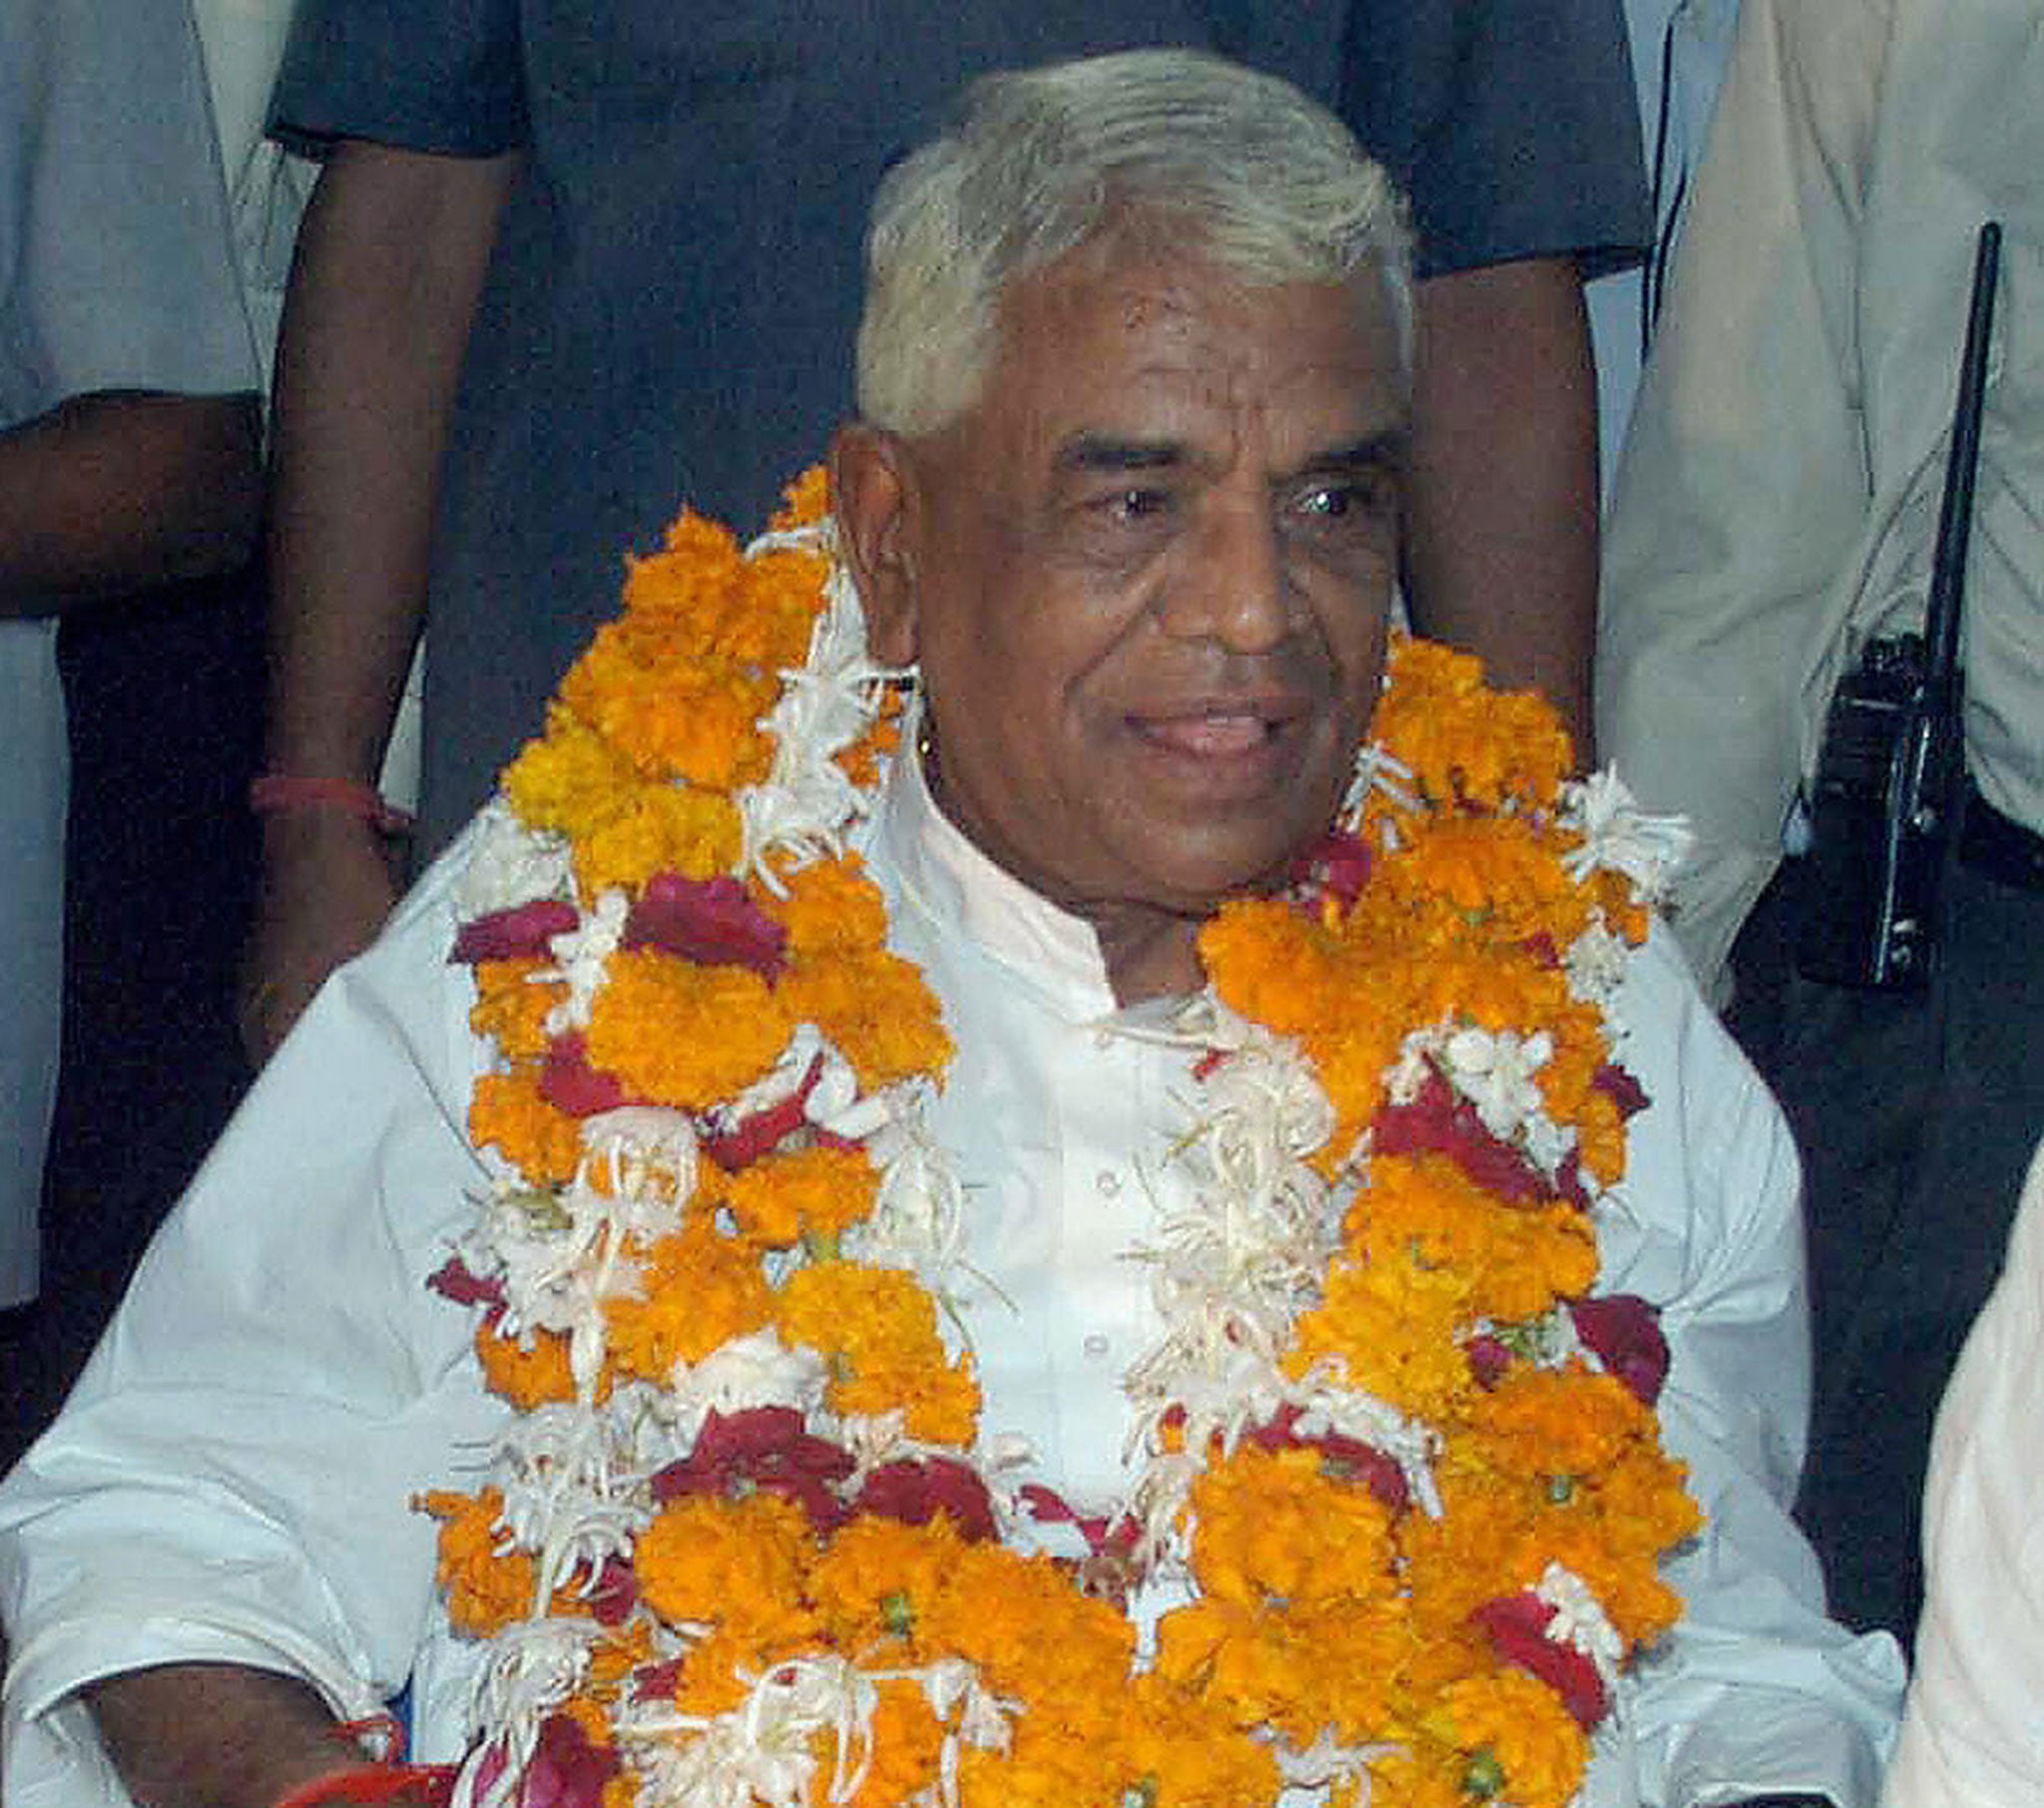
(1038, 1272)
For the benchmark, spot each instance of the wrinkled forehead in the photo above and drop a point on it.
(1114, 338)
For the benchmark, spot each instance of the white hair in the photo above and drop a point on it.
(1170, 151)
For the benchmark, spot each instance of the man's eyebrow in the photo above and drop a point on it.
(1095, 452)
(1390, 448)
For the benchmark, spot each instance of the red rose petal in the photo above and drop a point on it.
(523, 932)
(711, 922)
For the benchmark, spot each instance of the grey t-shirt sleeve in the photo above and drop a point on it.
(443, 76)
(1512, 124)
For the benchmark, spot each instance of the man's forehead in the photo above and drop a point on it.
(1184, 333)
(1130, 365)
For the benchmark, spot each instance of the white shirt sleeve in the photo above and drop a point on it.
(1973, 1734)
(114, 226)
(1756, 1690)
(1729, 534)
(235, 1484)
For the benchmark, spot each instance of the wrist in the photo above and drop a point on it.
(287, 794)
(399, 1785)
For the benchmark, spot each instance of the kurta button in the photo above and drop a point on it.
(1108, 1182)
(1095, 1346)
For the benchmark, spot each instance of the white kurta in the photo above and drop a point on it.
(230, 1481)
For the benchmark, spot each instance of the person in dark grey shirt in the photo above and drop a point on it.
(558, 279)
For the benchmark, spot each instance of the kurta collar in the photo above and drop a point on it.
(965, 894)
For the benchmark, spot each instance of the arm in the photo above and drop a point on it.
(231, 1483)
(215, 1735)
(121, 490)
(389, 264)
(1503, 556)
(1756, 1693)
(1744, 484)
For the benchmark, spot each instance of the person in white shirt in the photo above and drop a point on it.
(1776, 517)
(1126, 492)
(128, 458)
(1971, 1735)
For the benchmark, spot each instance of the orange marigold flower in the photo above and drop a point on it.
(1170, 1743)
(697, 1290)
(1518, 1259)
(783, 597)
(1559, 1422)
(1464, 744)
(1500, 868)
(658, 828)
(830, 905)
(807, 500)
(511, 1006)
(507, 1114)
(1394, 1326)
(485, 1588)
(877, 1008)
(569, 780)
(907, 1750)
(814, 1192)
(1030, 1631)
(1535, 1749)
(878, 1580)
(1274, 1526)
(706, 1560)
(693, 573)
(1273, 965)
(530, 1375)
(689, 719)
(877, 1329)
(685, 1034)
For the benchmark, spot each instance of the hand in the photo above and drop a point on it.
(328, 881)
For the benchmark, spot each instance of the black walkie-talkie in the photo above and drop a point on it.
(1893, 758)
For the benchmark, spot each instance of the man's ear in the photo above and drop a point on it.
(873, 495)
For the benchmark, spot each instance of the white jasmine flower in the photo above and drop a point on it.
(1596, 966)
(1580, 1621)
(580, 955)
(531, 1668)
(1621, 838)
(510, 864)
(1495, 1072)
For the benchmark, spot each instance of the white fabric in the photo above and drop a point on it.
(1973, 1732)
(114, 275)
(1679, 52)
(1778, 499)
(230, 1481)
(267, 187)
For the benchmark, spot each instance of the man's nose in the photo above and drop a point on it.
(1234, 587)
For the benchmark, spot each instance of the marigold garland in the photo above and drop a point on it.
(1414, 1583)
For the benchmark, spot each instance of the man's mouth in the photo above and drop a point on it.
(1211, 734)
(1218, 730)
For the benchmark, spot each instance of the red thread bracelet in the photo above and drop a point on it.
(276, 793)
(430, 1785)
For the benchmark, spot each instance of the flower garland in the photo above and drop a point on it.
(737, 1544)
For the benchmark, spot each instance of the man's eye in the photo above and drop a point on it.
(1136, 505)
(1362, 503)
(1372, 496)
